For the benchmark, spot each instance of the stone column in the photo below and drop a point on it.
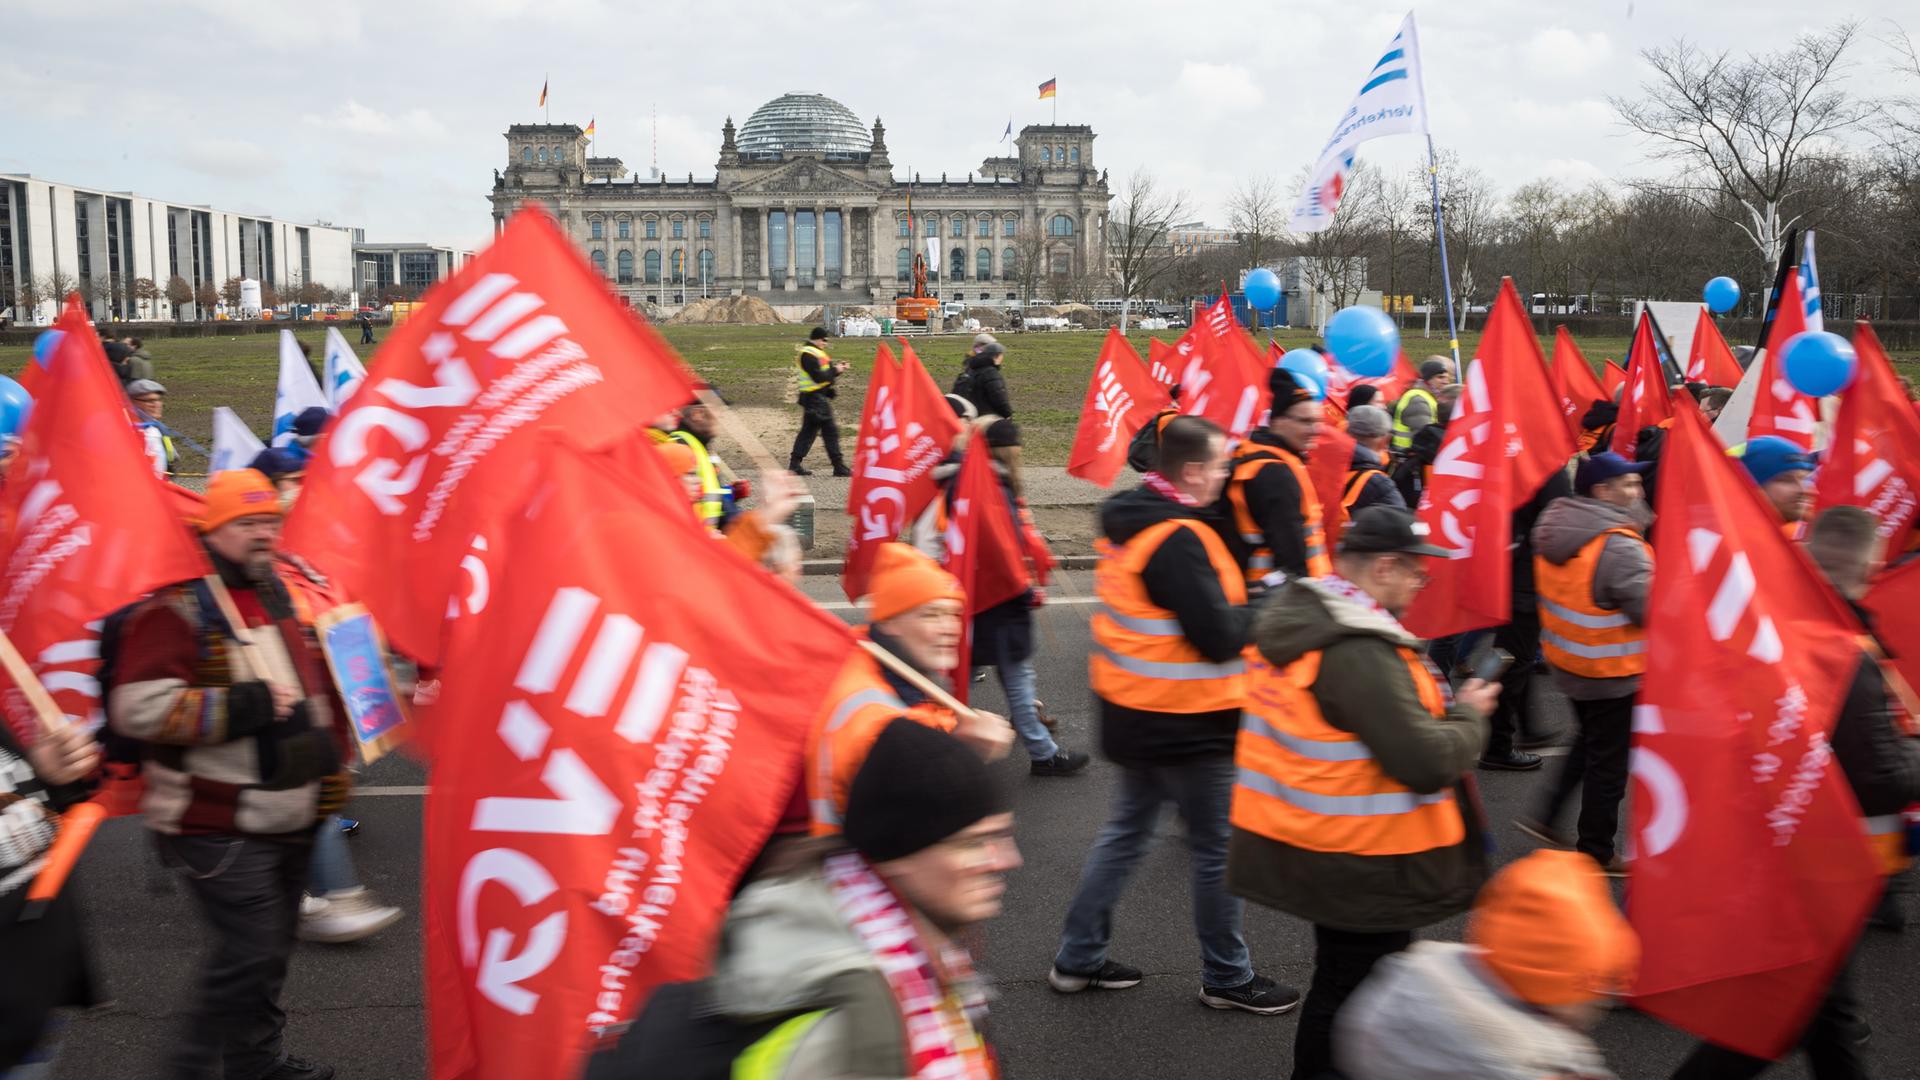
(733, 226)
(766, 267)
(793, 241)
(819, 246)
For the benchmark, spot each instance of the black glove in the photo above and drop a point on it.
(249, 709)
(295, 753)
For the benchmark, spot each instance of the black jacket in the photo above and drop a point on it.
(1881, 765)
(1273, 498)
(1180, 578)
(1525, 600)
(983, 385)
(1143, 453)
(1380, 489)
(1410, 474)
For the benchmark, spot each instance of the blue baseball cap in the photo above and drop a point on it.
(1602, 467)
(1770, 455)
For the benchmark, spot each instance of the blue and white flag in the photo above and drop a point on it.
(1392, 101)
(234, 443)
(298, 391)
(342, 373)
(1810, 287)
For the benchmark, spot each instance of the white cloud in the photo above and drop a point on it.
(225, 158)
(365, 120)
(1557, 52)
(1224, 86)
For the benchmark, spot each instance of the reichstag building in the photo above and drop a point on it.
(804, 208)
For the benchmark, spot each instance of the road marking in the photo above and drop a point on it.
(1052, 601)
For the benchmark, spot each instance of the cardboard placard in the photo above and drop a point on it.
(356, 653)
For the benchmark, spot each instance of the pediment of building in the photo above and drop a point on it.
(808, 177)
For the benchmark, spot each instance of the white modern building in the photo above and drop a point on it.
(402, 271)
(107, 245)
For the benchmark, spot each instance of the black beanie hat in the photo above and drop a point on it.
(1286, 391)
(918, 786)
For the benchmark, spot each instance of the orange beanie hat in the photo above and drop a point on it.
(679, 457)
(903, 579)
(1551, 932)
(237, 493)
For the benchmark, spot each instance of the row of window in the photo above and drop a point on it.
(1059, 262)
(651, 262)
(624, 229)
(1060, 154)
(529, 156)
(1057, 225)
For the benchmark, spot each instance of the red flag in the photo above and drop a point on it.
(1612, 377)
(1341, 381)
(1646, 403)
(1894, 598)
(1874, 461)
(1778, 408)
(1327, 466)
(1710, 360)
(435, 442)
(906, 428)
(1752, 876)
(985, 549)
(1161, 363)
(85, 528)
(1574, 381)
(1121, 397)
(626, 756)
(1503, 442)
(1222, 374)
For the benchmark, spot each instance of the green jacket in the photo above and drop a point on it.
(1364, 687)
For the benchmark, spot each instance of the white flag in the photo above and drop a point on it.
(297, 392)
(933, 255)
(343, 371)
(234, 443)
(1393, 101)
(1810, 287)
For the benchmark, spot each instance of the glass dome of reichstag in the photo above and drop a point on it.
(804, 122)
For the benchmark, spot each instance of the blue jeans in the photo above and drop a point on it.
(1202, 791)
(1018, 681)
(331, 868)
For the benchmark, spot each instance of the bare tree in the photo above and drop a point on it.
(1740, 131)
(205, 296)
(230, 295)
(179, 294)
(30, 299)
(144, 292)
(1255, 213)
(1138, 246)
(55, 285)
(1401, 215)
(1333, 261)
(1469, 207)
(1030, 258)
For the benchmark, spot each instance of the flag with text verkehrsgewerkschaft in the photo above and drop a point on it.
(1392, 101)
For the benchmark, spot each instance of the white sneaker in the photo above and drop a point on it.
(311, 905)
(348, 915)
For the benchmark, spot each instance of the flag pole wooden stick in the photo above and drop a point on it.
(44, 708)
(915, 679)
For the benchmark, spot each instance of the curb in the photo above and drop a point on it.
(831, 567)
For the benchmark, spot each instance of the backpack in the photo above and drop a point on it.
(963, 386)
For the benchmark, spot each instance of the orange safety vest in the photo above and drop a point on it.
(1248, 460)
(1577, 635)
(1303, 782)
(1356, 483)
(858, 707)
(1141, 657)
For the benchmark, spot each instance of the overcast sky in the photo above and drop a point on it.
(391, 116)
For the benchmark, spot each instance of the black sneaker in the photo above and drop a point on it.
(1511, 761)
(1111, 976)
(842, 470)
(293, 1068)
(799, 470)
(1062, 763)
(1260, 995)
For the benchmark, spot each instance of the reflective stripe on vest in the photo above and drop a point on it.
(1402, 434)
(808, 384)
(1577, 635)
(1249, 459)
(1141, 657)
(767, 1058)
(711, 503)
(1301, 781)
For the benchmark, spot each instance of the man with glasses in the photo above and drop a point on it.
(1348, 804)
(1270, 511)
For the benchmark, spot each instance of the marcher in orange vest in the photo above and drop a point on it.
(1167, 672)
(1872, 742)
(1348, 811)
(1269, 509)
(1367, 481)
(1592, 568)
(1785, 474)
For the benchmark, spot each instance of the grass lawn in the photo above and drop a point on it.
(1046, 372)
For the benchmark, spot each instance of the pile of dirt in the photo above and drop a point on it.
(1080, 314)
(989, 318)
(748, 310)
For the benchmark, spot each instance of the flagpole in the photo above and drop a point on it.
(1446, 277)
(546, 87)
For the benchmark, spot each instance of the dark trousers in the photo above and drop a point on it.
(1597, 765)
(1342, 960)
(248, 888)
(1835, 1042)
(816, 419)
(1521, 639)
(366, 335)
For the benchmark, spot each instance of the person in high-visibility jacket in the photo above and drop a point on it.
(1873, 744)
(1270, 514)
(1166, 672)
(1347, 808)
(695, 432)
(1419, 405)
(1367, 481)
(817, 374)
(1592, 568)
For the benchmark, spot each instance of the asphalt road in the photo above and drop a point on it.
(359, 1007)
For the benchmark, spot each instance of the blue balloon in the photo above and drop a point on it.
(1721, 294)
(44, 345)
(1315, 388)
(1262, 289)
(1364, 341)
(1818, 363)
(15, 406)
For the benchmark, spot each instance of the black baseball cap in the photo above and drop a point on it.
(1382, 530)
(819, 334)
